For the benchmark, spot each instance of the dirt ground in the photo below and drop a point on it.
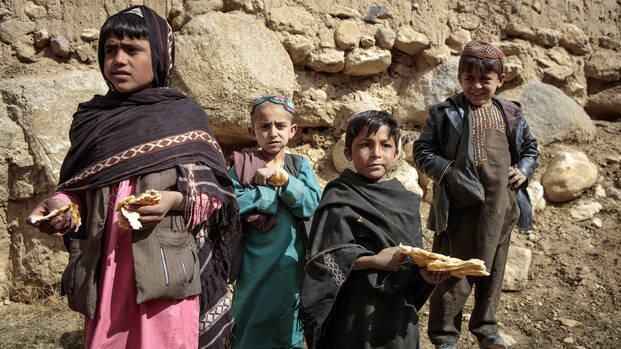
(571, 299)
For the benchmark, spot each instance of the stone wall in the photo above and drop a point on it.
(333, 60)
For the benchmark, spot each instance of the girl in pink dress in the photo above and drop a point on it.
(163, 285)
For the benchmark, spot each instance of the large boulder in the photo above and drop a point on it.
(430, 88)
(553, 116)
(35, 115)
(223, 61)
(605, 104)
(568, 175)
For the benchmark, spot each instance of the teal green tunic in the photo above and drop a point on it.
(267, 290)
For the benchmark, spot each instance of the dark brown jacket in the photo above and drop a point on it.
(165, 257)
(437, 146)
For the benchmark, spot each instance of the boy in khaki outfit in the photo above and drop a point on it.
(480, 153)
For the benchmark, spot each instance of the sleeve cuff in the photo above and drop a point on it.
(268, 203)
(292, 192)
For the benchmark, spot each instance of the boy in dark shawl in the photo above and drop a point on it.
(161, 285)
(480, 153)
(359, 291)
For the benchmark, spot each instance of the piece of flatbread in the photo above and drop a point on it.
(277, 179)
(439, 262)
(75, 214)
(130, 219)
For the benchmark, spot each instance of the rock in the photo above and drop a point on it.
(574, 39)
(295, 20)
(38, 109)
(60, 46)
(605, 104)
(184, 12)
(311, 108)
(436, 55)
(605, 66)
(520, 30)
(553, 116)
(41, 38)
(407, 175)
(609, 43)
(354, 103)
(327, 61)
(429, 88)
(85, 53)
(5, 13)
(24, 47)
(516, 271)
(457, 40)
(512, 71)
(568, 322)
(347, 35)
(557, 73)
(44, 105)
(90, 34)
(597, 222)
(511, 48)
(362, 62)
(548, 37)
(568, 340)
(224, 84)
(385, 38)
(585, 210)
(535, 192)
(367, 41)
(339, 161)
(377, 12)
(299, 48)
(599, 191)
(410, 41)
(344, 12)
(326, 38)
(613, 193)
(11, 29)
(34, 11)
(568, 175)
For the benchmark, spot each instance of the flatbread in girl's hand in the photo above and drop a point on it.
(129, 219)
(75, 215)
(439, 262)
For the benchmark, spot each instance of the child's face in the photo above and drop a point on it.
(272, 128)
(479, 86)
(127, 63)
(373, 155)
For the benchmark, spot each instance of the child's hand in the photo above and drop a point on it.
(389, 258)
(56, 224)
(151, 215)
(434, 277)
(516, 178)
(263, 175)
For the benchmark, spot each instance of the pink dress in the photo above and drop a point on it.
(119, 322)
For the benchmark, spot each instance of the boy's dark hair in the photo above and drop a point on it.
(123, 24)
(373, 120)
(470, 64)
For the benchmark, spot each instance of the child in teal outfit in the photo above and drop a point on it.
(267, 289)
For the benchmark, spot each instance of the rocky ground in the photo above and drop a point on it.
(570, 300)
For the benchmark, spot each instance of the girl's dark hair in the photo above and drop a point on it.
(123, 24)
(373, 120)
(471, 64)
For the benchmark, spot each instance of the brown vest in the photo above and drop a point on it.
(165, 257)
